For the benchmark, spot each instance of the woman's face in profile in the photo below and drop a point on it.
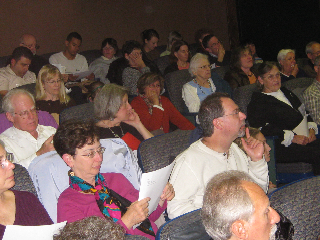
(6, 171)
(125, 110)
(271, 80)
(152, 43)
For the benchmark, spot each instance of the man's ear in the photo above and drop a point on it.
(126, 55)
(68, 159)
(66, 42)
(208, 50)
(309, 55)
(240, 229)
(217, 123)
(13, 62)
(9, 116)
(316, 68)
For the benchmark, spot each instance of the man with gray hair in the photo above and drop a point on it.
(222, 122)
(235, 207)
(312, 51)
(26, 139)
(311, 95)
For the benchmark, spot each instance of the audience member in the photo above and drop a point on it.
(150, 38)
(179, 57)
(93, 89)
(51, 94)
(108, 195)
(241, 72)
(311, 95)
(172, 38)
(100, 66)
(278, 112)
(17, 207)
(198, 38)
(218, 56)
(312, 51)
(252, 47)
(288, 66)
(222, 122)
(16, 73)
(235, 208)
(201, 86)
(155, 111)
(130, 76)
(116, 117)
(26, 139)
(37, 62)
(91, 228)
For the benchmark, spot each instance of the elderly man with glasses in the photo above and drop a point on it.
(222, 122)
(26, 139)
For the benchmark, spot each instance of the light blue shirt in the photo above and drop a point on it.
(201, 94)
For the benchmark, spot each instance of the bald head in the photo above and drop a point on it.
(29, 41)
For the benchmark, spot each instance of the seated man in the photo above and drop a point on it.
(37, 62)
(235, 207)
(16, 73)
(26, 139)
(312, 51)
(214, 49)
(221, 122)
(311, 95)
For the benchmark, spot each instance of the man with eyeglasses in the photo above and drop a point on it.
(26, 139)
(218, 56)
(37, 62)
(222, 122)
(312, 51)
(17, 72)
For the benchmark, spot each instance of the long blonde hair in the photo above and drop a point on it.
(46, 73)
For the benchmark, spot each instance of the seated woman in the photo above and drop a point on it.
(116, 117)
(278, 112)
(289, 68)
(100, 66)
(241, 72)
(173, 36)
(252, 47)
(179, 57)
(93, 89)
(51, 94)
(157, 111)
(106, 195)
(17, 207)
(195, 91)
(133, 54)
(150, 38)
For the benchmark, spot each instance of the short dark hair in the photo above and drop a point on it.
(92, 228)
(74, 35)
(148, 34)
(236, 56)
(200, 32)
(147, 79)
(21, 52)
(211, 108)
(112, 42)
(206, 40)
(264, 68)
(73, 134)
(129, 46)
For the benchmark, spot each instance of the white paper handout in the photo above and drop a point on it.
(44, 232)
(152, 185)
(82, 74)
(302, 128)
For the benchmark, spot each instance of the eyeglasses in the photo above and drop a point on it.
(205, 67)
(215, 44)
(271, 77)
(53, 82)
(235, 112)
(24, 114)
(91, 154)
(5, 161)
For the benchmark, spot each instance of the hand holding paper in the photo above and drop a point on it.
(136, 213)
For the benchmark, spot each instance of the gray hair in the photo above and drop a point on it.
(7, 100)
(283, 53)
(108, 101)
(91, 228)
(225, 201)
(194, 62)
(309, 47)
(211, 108)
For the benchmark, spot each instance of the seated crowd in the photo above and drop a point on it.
(87, 172)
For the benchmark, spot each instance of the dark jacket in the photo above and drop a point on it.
(237, 78)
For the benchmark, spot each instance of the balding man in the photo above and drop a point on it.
(26, 139)
(17, 72)
(29, 41)
(312, 51)
(236, 208)
(222, 122)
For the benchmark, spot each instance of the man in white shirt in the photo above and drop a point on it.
(17, 72)
(221, 122)
(26, 139)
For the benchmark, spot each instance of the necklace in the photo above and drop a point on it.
(195, 80)
(116, 135)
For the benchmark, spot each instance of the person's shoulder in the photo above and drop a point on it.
(7, 133)
(47, 128)
(80, 57)
(24, 196)
(56, 55)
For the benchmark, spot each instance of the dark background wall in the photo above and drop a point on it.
(51, 21)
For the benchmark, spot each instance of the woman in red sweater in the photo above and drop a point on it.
(157, 111)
